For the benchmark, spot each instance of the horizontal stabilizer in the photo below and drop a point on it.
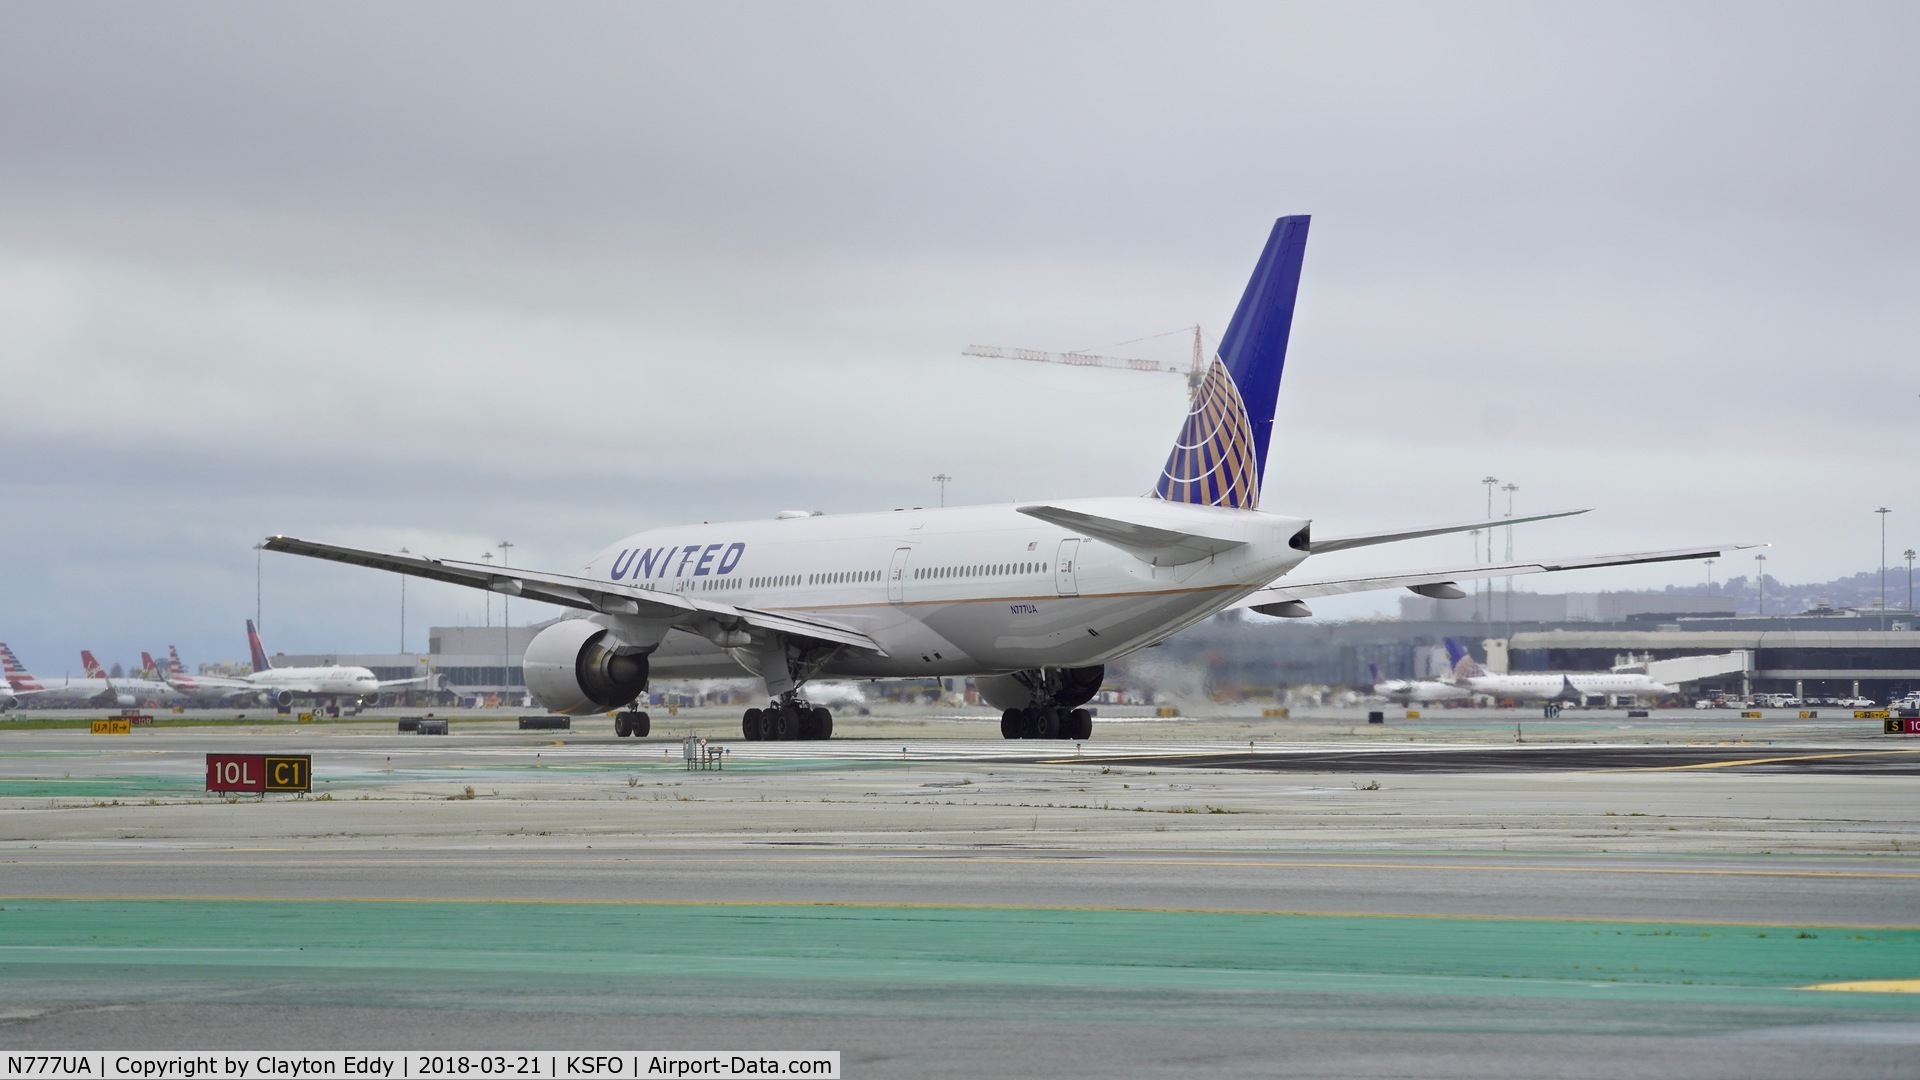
(584, 594)
(1151, 543)
(1418, 581)
(1324, 545)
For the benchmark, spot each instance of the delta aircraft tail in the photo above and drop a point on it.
(258, 650)
(1462, 662)
(1220, 457)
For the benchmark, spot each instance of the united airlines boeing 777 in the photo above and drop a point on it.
(1031, 600)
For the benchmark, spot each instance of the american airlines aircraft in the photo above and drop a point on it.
(64, 691)
(281, 685)
(1564, 686)
(1031, 600)
(1414, 691)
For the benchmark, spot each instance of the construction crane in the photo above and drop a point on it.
(1194, 373)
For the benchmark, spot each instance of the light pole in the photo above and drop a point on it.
(1487, 589)
(1883, 512)
(943, 480)
(1909, 558)
(257, 549)
(1760, 561)
(1509, 488)
(403, 606)
(1709, 577)
(488, 595)
(506, 630)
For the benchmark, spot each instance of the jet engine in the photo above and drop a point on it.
(578, 667)
(1065, 687)
(279, 699)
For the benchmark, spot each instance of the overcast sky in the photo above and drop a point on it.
(448, 275)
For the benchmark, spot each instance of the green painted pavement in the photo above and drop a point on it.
(99, 787)
(1088, 948)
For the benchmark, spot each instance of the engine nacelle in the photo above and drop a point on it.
(577, 667)
(1066, 687)
(279, 699)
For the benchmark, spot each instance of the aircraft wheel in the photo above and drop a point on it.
(786, 723)
(620, 725)
(1011, 722)
(640, 725)
(1079, 725)
(822, 723)
(750, 725)
(1046, 722)
(768, 722)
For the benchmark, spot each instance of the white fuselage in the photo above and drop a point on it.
(140, 690)
(1545, 687)
(336, 681)
(71, 691)
(211, 689)
(961, 591)
(1420, 691)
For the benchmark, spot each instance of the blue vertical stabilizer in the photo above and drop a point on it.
(1220, 458)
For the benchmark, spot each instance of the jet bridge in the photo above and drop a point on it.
(1689, 669)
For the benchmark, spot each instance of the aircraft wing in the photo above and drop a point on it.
(1322, 546)
(1443, 583)
(584, 594)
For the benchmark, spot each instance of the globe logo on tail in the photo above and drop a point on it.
(1214, 461)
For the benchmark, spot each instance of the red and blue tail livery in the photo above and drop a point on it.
(259, 651)
(1220, 457)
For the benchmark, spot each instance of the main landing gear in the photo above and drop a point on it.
(1046, 722)
(788, 718)
(632, 723)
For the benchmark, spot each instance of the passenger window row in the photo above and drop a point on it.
(979, 570)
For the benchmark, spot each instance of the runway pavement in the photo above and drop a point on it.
(1164, 901)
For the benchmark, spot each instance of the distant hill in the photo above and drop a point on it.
(1857, 591)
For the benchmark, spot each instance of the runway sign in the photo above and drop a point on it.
(115, 726)
(255, 773)
(1896, 726)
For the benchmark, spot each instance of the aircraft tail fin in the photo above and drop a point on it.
(258, 650)
(174, 665)
(92, 666)
(1462, 662)
(1373, 674)
(1220, 457)
(18, 677)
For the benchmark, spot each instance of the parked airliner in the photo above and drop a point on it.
(1572, 686)
(1031, 599)
(1414, 691)
(203, 689)
(330, 683)
(141, 690)
(63, 691)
